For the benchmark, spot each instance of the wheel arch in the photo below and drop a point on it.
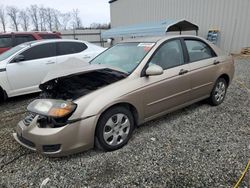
(226, 77)
(127, 105)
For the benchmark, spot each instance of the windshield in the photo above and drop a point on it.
(124, 56)
(12, 51)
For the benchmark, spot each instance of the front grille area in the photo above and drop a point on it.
(25, 141)
(28, 119)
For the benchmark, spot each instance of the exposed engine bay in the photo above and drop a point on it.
(77, 85)
(71, 87)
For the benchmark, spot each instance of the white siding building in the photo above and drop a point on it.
(230, 17)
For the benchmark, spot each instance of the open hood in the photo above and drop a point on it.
(71, 82)
(74, 66)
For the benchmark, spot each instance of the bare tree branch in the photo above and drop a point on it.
(33, 11)
(57, 24)
(49, 15)
(77, 22)
(12, 12)
(42, 18)
(65, 19)
(3, 18)
(24, 19)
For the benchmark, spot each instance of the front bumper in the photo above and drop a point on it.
(56, 142)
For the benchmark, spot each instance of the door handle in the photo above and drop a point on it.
(86, 56)
(216, 62)
(50, 62)
(183, 71)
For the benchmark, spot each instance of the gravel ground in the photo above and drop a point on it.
(199, 146)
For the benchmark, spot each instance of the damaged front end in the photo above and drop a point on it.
(55, 105)
(51, 112)
(77, 85)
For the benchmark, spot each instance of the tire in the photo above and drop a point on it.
(218, 93)
(3, 95)
(114, 128)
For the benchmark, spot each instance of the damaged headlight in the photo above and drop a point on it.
(52, 108)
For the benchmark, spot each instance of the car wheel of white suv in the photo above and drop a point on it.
(3, 95)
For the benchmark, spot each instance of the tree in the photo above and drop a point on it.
(33, 12)
(42, 18)
(12, 12)
(65, 19)
(77, 22)
(24, 19)
(56, 20)
(49, 15)
(3, 18)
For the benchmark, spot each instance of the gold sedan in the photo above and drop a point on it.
(101, 103)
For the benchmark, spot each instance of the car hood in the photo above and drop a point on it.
(74, 66)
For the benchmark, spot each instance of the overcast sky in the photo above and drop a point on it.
(90, 10)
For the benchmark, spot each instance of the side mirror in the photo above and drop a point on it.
(154, 70)
(19, 58)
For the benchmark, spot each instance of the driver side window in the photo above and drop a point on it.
(169, 55)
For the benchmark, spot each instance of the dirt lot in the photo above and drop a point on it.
(199, 146)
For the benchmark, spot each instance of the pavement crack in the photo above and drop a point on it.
(14, 159)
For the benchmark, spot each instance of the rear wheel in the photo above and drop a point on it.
(114, 128)
(219, 92)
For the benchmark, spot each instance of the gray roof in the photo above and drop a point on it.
(158, 28)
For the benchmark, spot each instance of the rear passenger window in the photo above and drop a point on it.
(40, 51)
(65, 48)
(169, 55)
(19, 39)
(5, 41)
(198, 50)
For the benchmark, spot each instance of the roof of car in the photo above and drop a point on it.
(143, 39)
(31, 32)
(156, 39)
(54, 40)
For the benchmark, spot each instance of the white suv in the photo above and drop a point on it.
(23, 67)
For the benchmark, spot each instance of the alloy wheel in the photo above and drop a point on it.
(220, 91)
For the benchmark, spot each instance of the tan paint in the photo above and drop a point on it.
(152, 96)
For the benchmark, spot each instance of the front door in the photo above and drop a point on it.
(172, 88)
(26, 75)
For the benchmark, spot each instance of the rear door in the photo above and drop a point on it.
(25, 76)
(68, 50)
(172, 88)
(203, 65)
(6, 43)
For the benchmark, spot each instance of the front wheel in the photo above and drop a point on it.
(114, 128)
(219, 92)
(3, 95)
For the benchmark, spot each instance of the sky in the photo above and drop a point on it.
(90, 10)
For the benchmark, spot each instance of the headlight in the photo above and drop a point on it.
(52, 108)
